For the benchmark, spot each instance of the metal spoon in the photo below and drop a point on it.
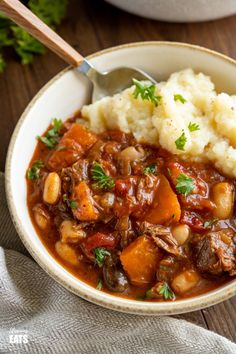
(104, 83)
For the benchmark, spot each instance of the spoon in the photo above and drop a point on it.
(104, 83)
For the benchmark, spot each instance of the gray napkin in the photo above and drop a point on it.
(37, 315)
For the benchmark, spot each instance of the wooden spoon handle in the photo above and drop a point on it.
(20, 14)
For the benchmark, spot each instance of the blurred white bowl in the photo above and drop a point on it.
(178, 10)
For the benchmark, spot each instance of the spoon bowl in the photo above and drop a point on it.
(111, 82)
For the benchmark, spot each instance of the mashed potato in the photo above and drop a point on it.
(162, 125)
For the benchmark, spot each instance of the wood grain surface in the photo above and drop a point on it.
(89, 27)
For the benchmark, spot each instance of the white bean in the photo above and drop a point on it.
(223, 195)
(130, 153)
(52, 188)
(67, 253)
(41, 217)
(185, 281)
(70, 232)
(181, 233)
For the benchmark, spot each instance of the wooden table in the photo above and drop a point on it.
(89, 27)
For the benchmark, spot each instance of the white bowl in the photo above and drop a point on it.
(178, 10)
(60, 98)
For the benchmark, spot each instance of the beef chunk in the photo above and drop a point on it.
(162, 237)
(215, 252)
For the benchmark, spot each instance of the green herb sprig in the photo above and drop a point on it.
(102, 180)
(26, 47)
(71, 203)
(52, 136)
(146, 92)
(185, 184)
(192, 127)
(178, 97)
(208, 223)
(166, 292)
(33, 173)
(181, 141)
(100, 255)
(150, 169)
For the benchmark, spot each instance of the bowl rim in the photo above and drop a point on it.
(93, 295)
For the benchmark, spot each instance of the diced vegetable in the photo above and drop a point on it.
(99, 239)
(223, 194)
(85, 210)
(193, 220)
(140, 260)
(81, 135)
(165, 207)
(65, 154)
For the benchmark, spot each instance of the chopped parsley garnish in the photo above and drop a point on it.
(52, 136)
(181, 141)
(185, 184)
(146, 91)
(150, 169)
(166, 292)
(33, 173)
(99, 284)
(71, 203)
(192, 127)
(102, 180)
(100, 255)
(207, 224)
(178, 97)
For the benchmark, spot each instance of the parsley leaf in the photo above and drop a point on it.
(146, 91)
(150, 169)
(103, 181)
(51, 12)
(25, 45)
(184, 185)
(178, 97)
(166, 291)
(33, 173)
(181, 141)
(52, 136)
(192, 127)
(99, 284)
(71, 203)
(100, 255)
(207, 224)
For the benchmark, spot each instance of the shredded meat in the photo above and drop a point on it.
(73, 175)
(215, 252)
(162, 237)
(146, 190)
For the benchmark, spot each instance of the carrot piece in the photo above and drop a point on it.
(65, 155)
(165, 206)
(85, 210)
(140, 260)
(81, 135)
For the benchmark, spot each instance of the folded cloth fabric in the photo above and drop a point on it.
(37, 315)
